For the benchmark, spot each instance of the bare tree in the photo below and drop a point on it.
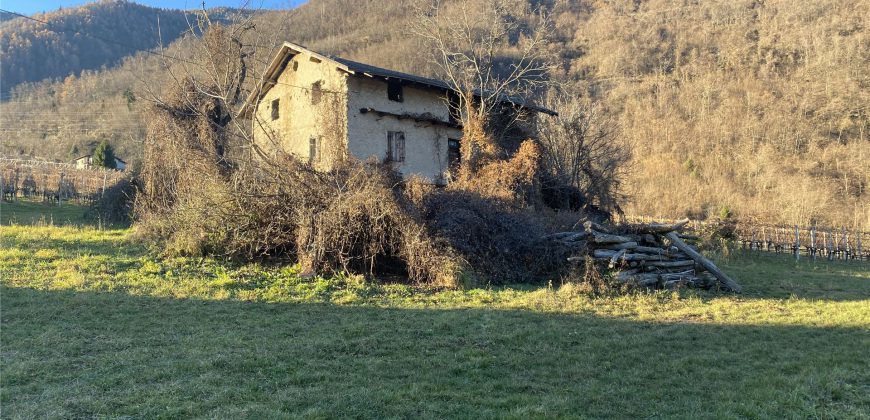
(226, 59)
(582, 148)
(493, 54)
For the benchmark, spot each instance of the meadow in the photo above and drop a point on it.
(93, 323)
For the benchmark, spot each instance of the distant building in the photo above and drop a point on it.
(322, 109)
(86, 162)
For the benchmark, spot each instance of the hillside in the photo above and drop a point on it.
(81, 38)
(750, 109)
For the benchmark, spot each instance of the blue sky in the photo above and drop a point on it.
(29, 7)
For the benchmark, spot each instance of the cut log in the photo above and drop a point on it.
(606, 238)
(645, 279)
(624, 245)
(670, 264)
(643, 257)
(650, 250)
(661, 228)
(615, 258)
(726, 281)
(603, 253)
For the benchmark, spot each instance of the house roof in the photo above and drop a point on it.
(89, 155)
(289, 49)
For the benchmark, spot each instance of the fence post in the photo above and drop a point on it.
(60, 189)
(797, 243)
(860, 251)
(830, 245)
(848, 245)
(813, 242)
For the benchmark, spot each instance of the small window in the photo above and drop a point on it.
(394, 90)
(275, 112)
(395, 146)
(454, 155)
(316, 92)
(313, 155)
(295, 66)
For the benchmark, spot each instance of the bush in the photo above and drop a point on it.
(115, 205)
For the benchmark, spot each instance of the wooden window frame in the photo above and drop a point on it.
(313, 150)
(395, 146)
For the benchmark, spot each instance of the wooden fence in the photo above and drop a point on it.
(801, 241)
(53, 182)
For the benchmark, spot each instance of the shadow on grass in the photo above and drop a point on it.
(82, 354)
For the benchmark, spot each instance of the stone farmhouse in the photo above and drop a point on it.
(322, 109)
(86, 162)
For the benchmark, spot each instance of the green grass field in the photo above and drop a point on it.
(95, 325)
(34, 212)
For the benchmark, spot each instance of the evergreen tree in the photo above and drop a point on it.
(74, 151)
(104, 156)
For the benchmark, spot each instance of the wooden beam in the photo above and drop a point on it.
(409, 116)
(729, 283)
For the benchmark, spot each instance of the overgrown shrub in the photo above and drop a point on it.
(358, 217)
(115, 205)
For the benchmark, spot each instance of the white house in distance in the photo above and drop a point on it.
(86, 162)
(322, 108)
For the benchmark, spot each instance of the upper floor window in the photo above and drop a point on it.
(395, 146)
(394, 90)
(275, 108)
(316, 92)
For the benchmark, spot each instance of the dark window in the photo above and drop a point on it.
(394, 90)
(313, 156)
(316, 92)
(454, 157)
(275, 109)
(295, 65)
(395, 146)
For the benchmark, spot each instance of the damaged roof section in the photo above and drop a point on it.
(288, 50)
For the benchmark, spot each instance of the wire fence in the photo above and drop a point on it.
(53, 182)
(831, 243)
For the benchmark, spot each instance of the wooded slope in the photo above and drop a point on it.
(748, 108)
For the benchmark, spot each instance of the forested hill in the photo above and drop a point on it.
(81, 38)
(744, 108)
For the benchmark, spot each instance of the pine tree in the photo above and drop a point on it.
(104, 156)
(74, 151)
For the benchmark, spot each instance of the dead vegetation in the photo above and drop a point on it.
(208, 190)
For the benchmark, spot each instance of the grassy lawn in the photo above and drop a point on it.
(95, 325)
(35, 212)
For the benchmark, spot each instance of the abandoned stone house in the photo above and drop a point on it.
(321, 109)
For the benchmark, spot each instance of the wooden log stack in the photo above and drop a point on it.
(652, 255)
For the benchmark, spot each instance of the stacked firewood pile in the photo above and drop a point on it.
(652, 255)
